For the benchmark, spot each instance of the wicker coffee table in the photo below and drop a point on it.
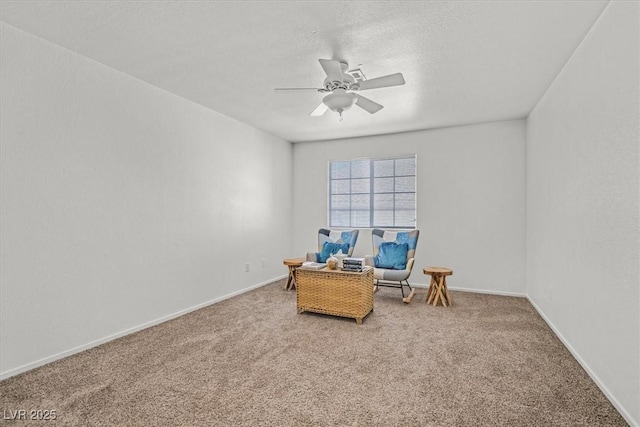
(335, 292)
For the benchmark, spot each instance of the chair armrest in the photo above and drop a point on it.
(368, 260)
(410, 262)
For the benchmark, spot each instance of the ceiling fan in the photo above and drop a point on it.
(341, 85)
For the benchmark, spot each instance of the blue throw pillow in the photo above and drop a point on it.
(329, 248)
(392, 255)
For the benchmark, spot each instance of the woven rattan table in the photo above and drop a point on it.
(335, 292)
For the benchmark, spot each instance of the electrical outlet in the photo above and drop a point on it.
(264, 262)
(247, 267)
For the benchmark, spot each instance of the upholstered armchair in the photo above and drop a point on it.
(332, 241)
(393, 257)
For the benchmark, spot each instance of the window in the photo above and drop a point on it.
(372, 193)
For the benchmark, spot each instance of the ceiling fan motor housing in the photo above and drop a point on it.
(347, 83)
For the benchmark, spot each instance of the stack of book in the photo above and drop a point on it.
(352, 264)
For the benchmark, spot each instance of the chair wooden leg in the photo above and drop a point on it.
(408, 299)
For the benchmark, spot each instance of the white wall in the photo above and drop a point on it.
(582, 205)
(122, 204)
(471, 199)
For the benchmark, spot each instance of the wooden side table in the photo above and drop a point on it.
(438, 291)
(292, 263)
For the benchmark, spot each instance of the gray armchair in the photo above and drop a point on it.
(344, 238)
(392, 267)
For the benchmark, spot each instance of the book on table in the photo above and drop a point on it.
(314, 265)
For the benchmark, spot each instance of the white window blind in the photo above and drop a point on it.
(370, 193)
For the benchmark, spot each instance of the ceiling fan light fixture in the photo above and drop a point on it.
(339, 101)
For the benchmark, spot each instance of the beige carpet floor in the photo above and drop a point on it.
(253, 361)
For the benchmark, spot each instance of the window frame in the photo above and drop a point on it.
(371, 192)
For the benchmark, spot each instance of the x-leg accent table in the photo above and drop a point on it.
(438, 291)
(292, 263)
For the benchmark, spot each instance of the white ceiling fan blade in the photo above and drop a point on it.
(320, 110)
(297, 89)
(367, 104)
(332, 68)
(384, 81)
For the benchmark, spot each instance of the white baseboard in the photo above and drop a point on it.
(475, 291)
(78, 349)
(586, 367)
(488, 292)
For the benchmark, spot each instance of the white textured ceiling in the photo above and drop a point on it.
(464, 61)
